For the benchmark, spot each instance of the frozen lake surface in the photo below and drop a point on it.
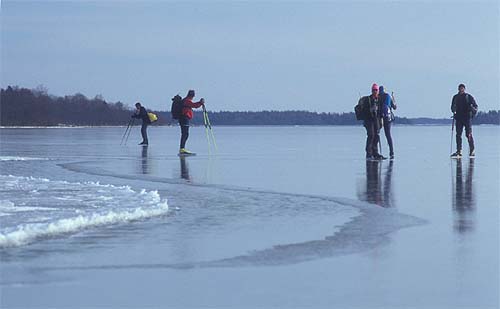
(278, 217)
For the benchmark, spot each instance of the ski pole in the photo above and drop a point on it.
(379, 125)
(126, 130)
(452, 127)
(123, 136)
(210, 127)
(205, 123)
(130, 130)
(211, 132)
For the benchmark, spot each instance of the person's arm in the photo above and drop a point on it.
(473, 102)
(454, 105)
(393, 102)
(380, 107)
(472, 105)
(189, 103)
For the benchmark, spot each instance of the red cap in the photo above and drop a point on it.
(374, 87)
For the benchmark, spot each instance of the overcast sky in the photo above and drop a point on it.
(255, 55)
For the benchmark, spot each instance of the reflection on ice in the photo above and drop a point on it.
(144, 161)
(376, 190)
(184, 169)
(463, 198)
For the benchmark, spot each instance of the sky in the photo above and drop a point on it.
(256, 55)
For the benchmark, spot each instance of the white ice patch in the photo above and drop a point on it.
(29, 232)
(15, 158)
(8, 208)
(36, 208)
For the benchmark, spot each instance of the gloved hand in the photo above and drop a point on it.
(202, 101)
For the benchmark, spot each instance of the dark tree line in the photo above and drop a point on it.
(35, 107)
(282, 118)
(25, 107)
(490, 117)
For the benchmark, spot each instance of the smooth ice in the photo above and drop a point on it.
(279, 217)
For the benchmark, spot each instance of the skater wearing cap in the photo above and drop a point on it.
(371, 121)
(142, 114)
(464, 108)
(187, 115)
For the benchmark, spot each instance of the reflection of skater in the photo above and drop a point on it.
(144, 162)
(373, 183)
(463, 199)
(184, 169)
(376, 191)
(388, 186)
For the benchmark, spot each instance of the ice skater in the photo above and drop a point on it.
(372, 123)
(464, 108)
(141, 113)
(387, 104)
(185, 117)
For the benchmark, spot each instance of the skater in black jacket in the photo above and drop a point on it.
(141, 113)
(464, 108)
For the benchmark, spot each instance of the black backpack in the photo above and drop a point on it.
(177, 106)
(472, 108)
(359, 109)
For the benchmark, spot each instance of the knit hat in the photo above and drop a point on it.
(381, 89)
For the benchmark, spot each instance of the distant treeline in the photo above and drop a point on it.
(35, 107)
(27, 107)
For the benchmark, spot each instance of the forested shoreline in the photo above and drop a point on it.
(35, 107)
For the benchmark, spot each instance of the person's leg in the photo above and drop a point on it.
(184, 136)
(184, 124)
(369, 138)
(460, 128)
(376, 137)
(144, 133)
(468, 133)
(387, 132)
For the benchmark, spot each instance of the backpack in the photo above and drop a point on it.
(177, 106)
(388, 110)
(472, 107)
(390, 115)
(152, 117)
(359, 109)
